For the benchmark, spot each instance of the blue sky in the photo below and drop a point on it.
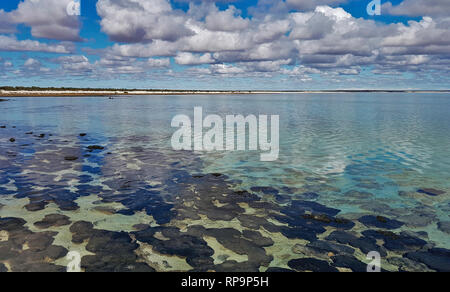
(228, 44)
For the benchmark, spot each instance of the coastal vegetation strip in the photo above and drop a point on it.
(9, 91)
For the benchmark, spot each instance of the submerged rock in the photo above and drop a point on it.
(328, 247)
(113, 251)
(365, 244)
(95, 147)
(380, 222)
(193, 248)
(265, 190)
(310, 264)
(53, 220)
(396, 242)
(279, 270)
(349, 262)
(408, 265)
(430, 192)
(436, 258)
(26, 251)
(70, 158)
(444, 226)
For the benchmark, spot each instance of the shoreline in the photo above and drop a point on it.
(97, 93)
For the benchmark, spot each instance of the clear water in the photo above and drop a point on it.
(389, 145)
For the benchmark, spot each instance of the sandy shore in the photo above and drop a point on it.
(68, 93)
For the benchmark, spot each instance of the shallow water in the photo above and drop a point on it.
(344, 160)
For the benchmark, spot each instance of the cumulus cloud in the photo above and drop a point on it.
(10, 43)
(228, 20)
(326, 39)
(47, 19)
(419, 8)
(311, 4)
(141, 20)
(191, 59)
(293, 38)
(6, 22)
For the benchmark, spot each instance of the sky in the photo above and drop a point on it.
(226, 44)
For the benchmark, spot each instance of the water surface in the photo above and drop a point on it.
(356, 172)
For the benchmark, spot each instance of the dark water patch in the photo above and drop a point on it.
(85, 179)
(91, 170)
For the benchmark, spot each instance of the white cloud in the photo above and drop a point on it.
(158, 63)
(191, 59)
(419, 8)
(310, 39)
(228, 20)
(311, 4)
(47, 19)
(10, 43)
(141, 20)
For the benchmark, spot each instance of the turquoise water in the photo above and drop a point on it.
(360, 153)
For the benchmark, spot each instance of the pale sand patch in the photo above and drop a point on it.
(207, 223)
(222, 254)
(281, 250)
(161, 263)
(4, 235)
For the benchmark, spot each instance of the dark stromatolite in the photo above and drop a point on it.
(311, 264)
(26, 251)
(436, 258)
(380, 222)
(430, 192)
(53, 220)
(444, 226)
(113, 251)
(365, 244)
(349, 262)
